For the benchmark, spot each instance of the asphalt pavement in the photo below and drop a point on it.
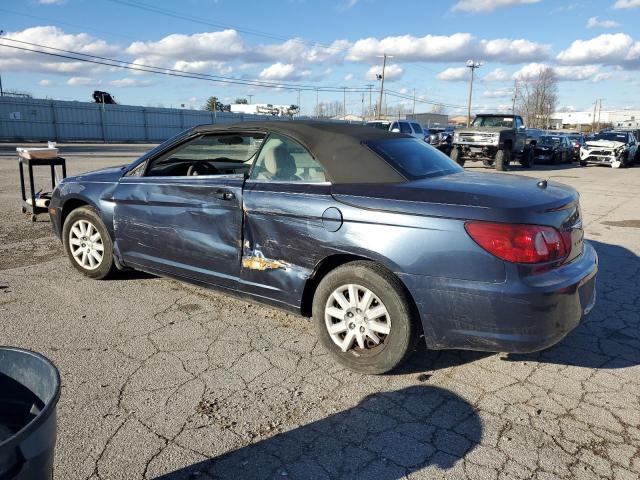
(166, 380)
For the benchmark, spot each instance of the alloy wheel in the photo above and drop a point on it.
(85, 243)
(356, 318)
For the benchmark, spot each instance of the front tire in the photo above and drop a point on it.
(364, 317)
(88, 243)
(456, 156)
(502, 160)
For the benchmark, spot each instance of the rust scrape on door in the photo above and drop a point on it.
(261, 263)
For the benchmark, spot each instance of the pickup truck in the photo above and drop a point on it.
(496, 139)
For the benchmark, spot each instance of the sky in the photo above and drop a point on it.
(592, 45)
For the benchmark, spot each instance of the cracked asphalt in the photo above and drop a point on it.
(166, 380)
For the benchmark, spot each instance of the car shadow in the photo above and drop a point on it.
(609, 337)
(386, 436)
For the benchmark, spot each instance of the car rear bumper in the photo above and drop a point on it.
(517, 316)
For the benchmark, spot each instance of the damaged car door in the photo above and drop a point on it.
(181, 213)
(282, 241)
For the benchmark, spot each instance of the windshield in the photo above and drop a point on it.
(612, 136)
(414, 158)
(549, 141)
(380, 125)
(481, 121)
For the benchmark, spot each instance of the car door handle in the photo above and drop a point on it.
(225, 194)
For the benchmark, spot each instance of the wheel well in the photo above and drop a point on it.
(508, 144)
(329, 264)
(69, 206)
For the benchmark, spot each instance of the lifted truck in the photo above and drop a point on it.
(494, 139)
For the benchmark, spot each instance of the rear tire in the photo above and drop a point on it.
(88, 243)
(502, 160)
(583, 164)
(488, 163)
(527, 158)
(456, 156)
(352, 318)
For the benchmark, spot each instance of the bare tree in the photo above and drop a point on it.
(538, 98)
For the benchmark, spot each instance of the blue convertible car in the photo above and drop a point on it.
(378, 236)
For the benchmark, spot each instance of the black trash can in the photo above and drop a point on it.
(29, 392)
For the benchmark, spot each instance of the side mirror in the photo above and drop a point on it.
(522, 128)
(395, 130)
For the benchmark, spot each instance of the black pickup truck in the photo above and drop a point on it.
(494, 139)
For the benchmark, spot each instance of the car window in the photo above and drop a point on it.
(405, 128)
(417, 128)
(394, 125)
(220, 154)
(481, 121)
(379, 125)
(413, 157)
(284, 160)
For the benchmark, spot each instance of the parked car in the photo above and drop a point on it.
(577, 140)
(553, 149)
(441, 138)
(618, 149)
(378, 236)
(494, 139)
(400, 126)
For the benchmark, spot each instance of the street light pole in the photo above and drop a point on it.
(384, 65)
(472, 64)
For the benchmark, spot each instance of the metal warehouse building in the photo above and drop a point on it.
(29, 119)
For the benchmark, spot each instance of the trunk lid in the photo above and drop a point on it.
(476, 196)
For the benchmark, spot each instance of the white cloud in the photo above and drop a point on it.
(562, 73)
(348, 77)
(499, 93)
(496, 75)
(454, 74)
(573, 73)
(608, 48)
(50, 2)
(82, 81)
(507, 50)
(443, 48)
(283, 71)
(595, 22)
(627, 4)
(297, 50)
(410, 48)
(201, 52)
(391, 72)
(488, 5)
(130, 82)
(19, 60)
(45, 82)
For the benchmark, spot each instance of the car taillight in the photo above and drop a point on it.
(519, 243)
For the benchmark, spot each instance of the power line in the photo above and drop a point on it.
(111, 62)
(258, 33)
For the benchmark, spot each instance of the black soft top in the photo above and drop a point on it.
(337, 146)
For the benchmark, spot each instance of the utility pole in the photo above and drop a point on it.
(381, 77)
(414, 101)
(599, 113)
(362, 106)
(299, 107)
(1, 92)
(317, 104)
(472, 64)
(250, 97)
(344, 103)
(370, 110)
(515, 96)
(593, 120)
